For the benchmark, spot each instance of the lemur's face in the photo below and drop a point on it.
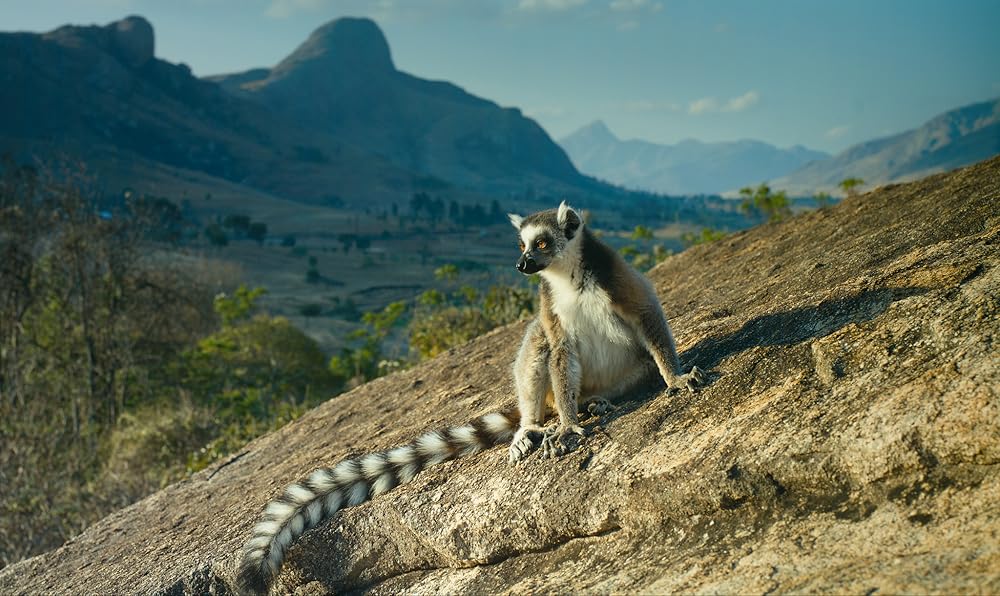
(544, 236)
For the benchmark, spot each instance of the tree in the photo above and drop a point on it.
(239, 224)
(642, 233)
(851, 185)
(257, 231)
(239, 307)
(216, 235)
(447, 272)
(419, 202)
(347, 240)
(312, 274)
(496, 213)
(87, 322)
(310, 310)
(823, 199)
(435, 209)
(705, 236)
(363, 243)
(773, 205)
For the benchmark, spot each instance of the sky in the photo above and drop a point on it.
(824, 74)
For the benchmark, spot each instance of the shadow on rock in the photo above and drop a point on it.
(798, 325)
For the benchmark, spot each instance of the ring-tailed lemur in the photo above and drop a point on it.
(600, 331)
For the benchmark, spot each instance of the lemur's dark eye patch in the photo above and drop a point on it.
(541, 244)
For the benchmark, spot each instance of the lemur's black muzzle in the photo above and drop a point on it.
(527, 265)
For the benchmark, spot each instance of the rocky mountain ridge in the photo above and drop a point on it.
(335, 118)
(950, 140)
(848, 440)
(342, 80)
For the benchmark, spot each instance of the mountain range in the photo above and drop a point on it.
(950, 140)
(335, 118)
(686, 168)
(336, 123)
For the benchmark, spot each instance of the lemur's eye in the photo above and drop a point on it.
(521, 246)
(541, 244)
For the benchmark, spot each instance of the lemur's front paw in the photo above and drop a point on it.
(691, 381)
(525, 441)
(600, 407)
(694, 379)
(559, 440)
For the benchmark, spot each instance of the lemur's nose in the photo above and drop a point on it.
(524, 263)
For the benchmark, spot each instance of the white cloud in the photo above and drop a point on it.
(706, 105)
(703, 105)
(738, 104)
(837, 131)
(549, 5)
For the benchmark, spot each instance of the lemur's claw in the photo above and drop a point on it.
(525, 441)
(559, 440)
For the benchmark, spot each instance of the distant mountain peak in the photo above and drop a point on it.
(344, 45)
(598, 126)
(595, 132)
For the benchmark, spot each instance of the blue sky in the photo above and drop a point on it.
(822, 74)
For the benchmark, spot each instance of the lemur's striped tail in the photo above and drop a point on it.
(305, 504)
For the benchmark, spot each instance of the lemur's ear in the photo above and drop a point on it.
(568, 219)
(515, 220)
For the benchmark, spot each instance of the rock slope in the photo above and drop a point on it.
(849, 441)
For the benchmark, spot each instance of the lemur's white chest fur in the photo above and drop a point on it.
(607, 348)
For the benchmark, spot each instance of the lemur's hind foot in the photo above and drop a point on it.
(525, 441)
(599, 407)
(558, 440)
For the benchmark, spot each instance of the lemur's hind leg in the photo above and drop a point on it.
(602, 403)
(531, 378)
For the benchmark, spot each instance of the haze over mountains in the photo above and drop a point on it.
(953, 139)
(688, 167)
